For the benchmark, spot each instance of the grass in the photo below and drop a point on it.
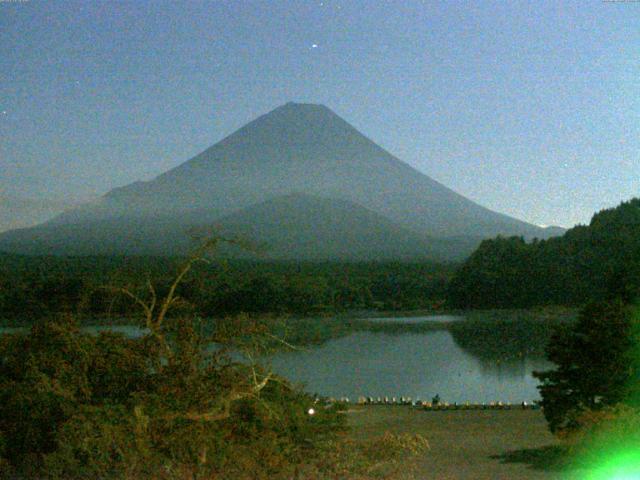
(474, 445)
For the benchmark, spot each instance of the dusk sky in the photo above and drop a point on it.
(528, 108)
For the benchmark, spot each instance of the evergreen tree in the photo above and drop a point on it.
(597, 364)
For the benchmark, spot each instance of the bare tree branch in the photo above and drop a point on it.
(284, 342)
(148, 312)
(154, 297)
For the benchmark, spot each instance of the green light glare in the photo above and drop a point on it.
(611, 451)
(621, 466)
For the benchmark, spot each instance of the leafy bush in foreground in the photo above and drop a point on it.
(77, 406)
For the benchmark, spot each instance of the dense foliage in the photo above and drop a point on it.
(585, 264)
(39, 286)
(74, 405)
(598, 365)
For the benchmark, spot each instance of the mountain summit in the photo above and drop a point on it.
(295, 149)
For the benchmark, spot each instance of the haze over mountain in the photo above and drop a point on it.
(20, 211)
(299, 178)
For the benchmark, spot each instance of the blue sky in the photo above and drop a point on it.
(529, 108)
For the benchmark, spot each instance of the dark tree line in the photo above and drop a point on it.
(35, 287)
(585, 264)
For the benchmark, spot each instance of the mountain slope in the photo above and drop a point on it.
(296, 226)
(300, 226)
(296, 148)
(20, 212)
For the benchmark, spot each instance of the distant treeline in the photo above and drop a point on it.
(587, 263)
(32, 287)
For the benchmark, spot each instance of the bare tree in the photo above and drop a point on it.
(244, 335)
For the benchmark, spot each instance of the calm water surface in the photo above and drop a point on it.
(418, 365)
(415, 365)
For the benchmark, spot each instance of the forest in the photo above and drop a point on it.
(588, 263)
(34, 287)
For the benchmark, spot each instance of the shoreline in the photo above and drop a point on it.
(552, 312)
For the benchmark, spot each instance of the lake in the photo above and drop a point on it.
(458, 364)
(415, 365)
